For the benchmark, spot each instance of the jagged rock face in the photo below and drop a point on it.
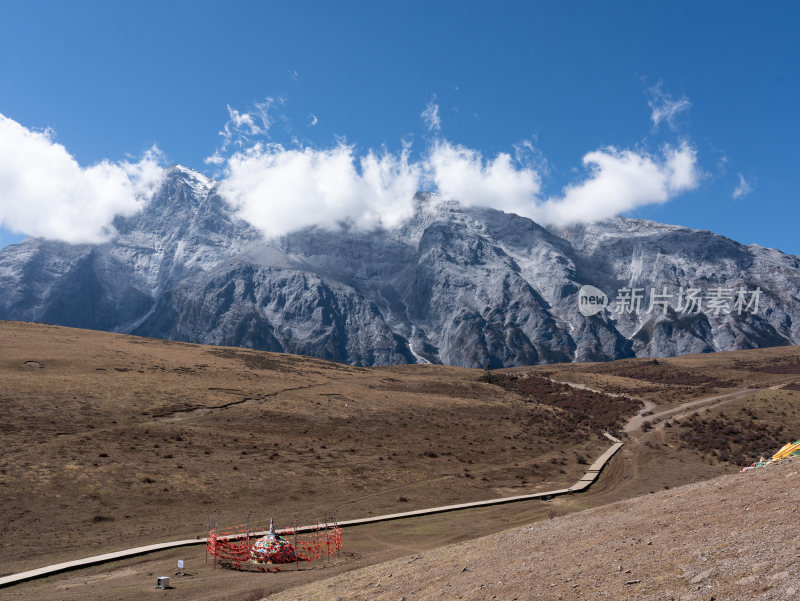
(454, 285)
(282, 310)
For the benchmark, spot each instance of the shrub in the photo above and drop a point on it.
(734, 441)
(595, 411)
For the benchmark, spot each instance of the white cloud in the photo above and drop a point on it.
(45, 192)
(242, 128)
(464, 175)
(244, 123)
(279, 190)
(743, 188)
(664, 108)
(313, 121)
(622, 180)
(527, 154)
(430, 116)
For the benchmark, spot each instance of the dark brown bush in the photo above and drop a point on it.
(596, 411)
(732, 441)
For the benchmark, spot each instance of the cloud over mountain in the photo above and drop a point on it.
(279, 189)
(45, 192)
(622, 180)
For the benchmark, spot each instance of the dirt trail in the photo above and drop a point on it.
(580, 386)
(600, 463)
(635, 423)
(210, 409)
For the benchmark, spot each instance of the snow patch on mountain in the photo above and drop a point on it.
(452, 284)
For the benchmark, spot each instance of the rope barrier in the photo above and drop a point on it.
(235, 548)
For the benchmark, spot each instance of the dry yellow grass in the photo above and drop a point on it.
(113, 441)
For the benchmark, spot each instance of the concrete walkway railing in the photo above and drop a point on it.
(586, 480)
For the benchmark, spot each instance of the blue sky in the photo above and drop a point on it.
(113, 79)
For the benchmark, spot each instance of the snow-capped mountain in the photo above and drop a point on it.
(454, 285)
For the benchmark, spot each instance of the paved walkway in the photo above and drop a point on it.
(586, 480)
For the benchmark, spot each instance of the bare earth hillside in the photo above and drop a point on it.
(112, 441)
(736, 537)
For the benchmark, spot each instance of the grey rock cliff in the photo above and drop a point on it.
(454, 285)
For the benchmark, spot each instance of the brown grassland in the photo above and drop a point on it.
(112, 441)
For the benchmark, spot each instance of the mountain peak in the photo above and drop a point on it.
(198, 182)
(458, 285)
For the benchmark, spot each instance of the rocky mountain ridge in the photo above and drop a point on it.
(454, 285)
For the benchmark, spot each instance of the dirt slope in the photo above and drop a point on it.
(736, 537)
(112, 441)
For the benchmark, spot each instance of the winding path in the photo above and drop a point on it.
(586, 480)
(682, 410)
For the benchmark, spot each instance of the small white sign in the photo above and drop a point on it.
(180, 564)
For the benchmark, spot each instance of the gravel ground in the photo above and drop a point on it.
(736, 537)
